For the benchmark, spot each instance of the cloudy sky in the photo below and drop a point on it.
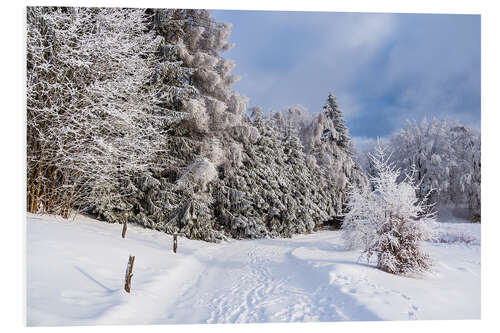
(383, 68)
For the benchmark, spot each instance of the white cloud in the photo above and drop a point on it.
(400, 66)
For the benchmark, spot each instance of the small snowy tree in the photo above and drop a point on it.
(390, 221)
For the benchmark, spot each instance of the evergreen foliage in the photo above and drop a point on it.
(220, 174)
(334, 124)
(157, 136)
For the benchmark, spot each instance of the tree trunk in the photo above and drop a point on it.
(128, 273)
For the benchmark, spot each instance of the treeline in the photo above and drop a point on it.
(131, 116)
(446, 157)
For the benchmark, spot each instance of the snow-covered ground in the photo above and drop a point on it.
(76, 273)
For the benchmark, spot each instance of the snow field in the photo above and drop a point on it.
(76, 273)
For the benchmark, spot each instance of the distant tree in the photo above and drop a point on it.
(193, 82)
(326, 141)
(327, 129)
(447, 159)
(389, 222)
(336, 130)
(465, 174)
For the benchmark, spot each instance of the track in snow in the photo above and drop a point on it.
(75, 277)
(270, 285)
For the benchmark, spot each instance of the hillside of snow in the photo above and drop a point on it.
(76, 273)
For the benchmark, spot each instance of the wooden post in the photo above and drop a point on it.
(128, 273)
(124, 230)
(175, 243)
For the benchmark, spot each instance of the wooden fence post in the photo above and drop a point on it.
(128, 273)
(124, 230)
(175, 243)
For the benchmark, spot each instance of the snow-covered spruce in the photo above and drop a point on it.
(264, 185)
(389, 222)
(279, 192)
(173, 194)
(222, 174)
(170, 147)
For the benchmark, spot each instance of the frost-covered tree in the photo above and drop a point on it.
(447, 159)
(465, 173)
(326, 141)
(194, 82)
(90, 120)
(334, 127)
(389, 222)
(199, 47)
(157, 135)
(326, 132)
(149, 194)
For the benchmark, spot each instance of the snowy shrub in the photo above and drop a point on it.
(390, 221)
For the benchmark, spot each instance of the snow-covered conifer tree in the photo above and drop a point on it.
(389, 222)
(325, 138)
(193, 82)
(157, 135)
(338, 131)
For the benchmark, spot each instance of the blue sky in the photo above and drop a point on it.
(383, 68)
